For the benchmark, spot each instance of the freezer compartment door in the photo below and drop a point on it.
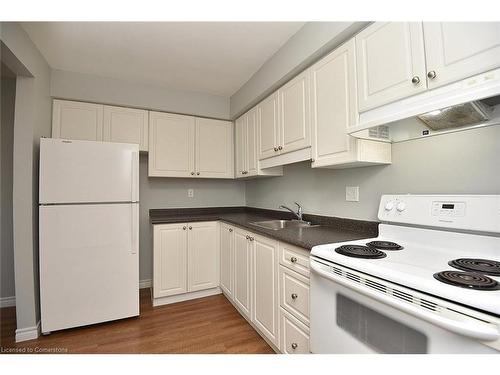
(89, 264)
(88, 172)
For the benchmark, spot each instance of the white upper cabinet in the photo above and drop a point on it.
(214, 148)
(294, 129)
(334, 109)
(171, 145)
(457, 50)
(390, 62)
(77, 120)
(126, 125)
(186, 146)
(247, 163)
(268, 126)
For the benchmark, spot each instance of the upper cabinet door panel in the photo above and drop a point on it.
(171, 145)
(390, 63)
(126, 125)
(251, 144)
(240, 127)
(457, 50)
(77, 120)
(294, 114)
(214, 148)
(333, 103)
(268, 126)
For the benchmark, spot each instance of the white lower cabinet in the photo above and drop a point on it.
(294, 334)
(265, 314)
(268, 282)
(186, 261)
(242, 272)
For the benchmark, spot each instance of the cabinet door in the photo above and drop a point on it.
(241, 145)
(214, 148)
(171, 145)
(333, 105)
(457, 50)
(268, 128)
(265, 287)
(242, 272)
(295, 133)
(77, 120)
(126, 125)
(203, 255)
(169, 259)
(389, 56)
(227, 259)
(251, 144)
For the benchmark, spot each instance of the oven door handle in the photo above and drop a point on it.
(455, 322)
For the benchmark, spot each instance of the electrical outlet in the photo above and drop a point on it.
(190, 193)
(352, 193)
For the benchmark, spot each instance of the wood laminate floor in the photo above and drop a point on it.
(205, 325)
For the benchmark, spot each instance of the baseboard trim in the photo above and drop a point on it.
(186, 296)
(28, 333)
(8, 301)
(146, 283)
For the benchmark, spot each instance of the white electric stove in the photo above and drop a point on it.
(429, 283)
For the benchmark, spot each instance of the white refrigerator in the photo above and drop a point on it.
(89, 232)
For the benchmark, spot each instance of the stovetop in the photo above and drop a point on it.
(428, 260)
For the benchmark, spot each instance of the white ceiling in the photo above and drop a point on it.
(209, 57)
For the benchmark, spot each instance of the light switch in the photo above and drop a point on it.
(352, 193)
(190, 193)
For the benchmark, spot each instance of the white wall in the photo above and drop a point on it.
(460, 163)
(85, 87)
(8, 97)
(311, 42)
(32, 120)
(160, 192)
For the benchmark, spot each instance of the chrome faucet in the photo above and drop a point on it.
(297, 214)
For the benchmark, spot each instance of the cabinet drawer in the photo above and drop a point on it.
(294, 335)
(294, 294)
(295, 258)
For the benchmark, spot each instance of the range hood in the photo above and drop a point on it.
(467, 104)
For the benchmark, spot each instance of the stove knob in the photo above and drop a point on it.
(401, 206)
(389, 206)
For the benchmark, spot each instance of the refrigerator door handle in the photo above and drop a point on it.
(134, 176)
(135, 220)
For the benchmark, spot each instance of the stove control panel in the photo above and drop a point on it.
(448, 209)
(467, 212)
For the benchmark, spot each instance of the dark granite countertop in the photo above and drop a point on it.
(331, 229)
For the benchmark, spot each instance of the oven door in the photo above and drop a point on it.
(346, 320)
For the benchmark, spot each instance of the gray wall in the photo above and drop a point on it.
(84, 87)
(32, 120)
(8, 97)
(459, 163)
(160, 192)
(312, 41)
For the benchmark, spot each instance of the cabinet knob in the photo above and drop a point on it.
(294, 296)
(293, 259)
(280, 148)
(230, 229)
(275, 149)
(190, 228)
(251, 238)
(192, 173)
(432, 74)
(294, 345)
(197, 173)
(415, 80)
(183, 228)
(247, 237)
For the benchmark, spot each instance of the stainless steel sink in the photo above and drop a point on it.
(283, 224)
